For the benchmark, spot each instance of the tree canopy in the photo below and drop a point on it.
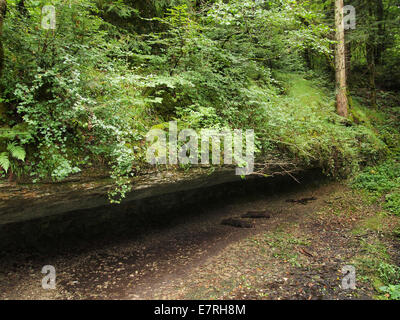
(83, 95)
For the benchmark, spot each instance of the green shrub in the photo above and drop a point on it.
(392, 290)
(380, 179)
(85, 94)
(393, 203)
(389, 273)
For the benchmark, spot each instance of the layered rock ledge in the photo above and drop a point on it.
(22, 202)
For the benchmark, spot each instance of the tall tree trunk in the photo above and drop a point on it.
(342, 104)
(3, 9)
(371, 50)
(308, 58)
(348, 59)
(380, 16)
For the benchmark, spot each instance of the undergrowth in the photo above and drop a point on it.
(381, 184)
(382, 181)
(86, 95)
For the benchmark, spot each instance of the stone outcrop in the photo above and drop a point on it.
(22, 202)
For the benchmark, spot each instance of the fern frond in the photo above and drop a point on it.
(4, 161)
(16, 151)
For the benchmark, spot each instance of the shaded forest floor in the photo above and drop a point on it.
(296, 254)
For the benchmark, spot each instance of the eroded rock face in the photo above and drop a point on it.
(35, 215)
(28, 202)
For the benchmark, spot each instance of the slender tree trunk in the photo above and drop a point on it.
(372, 48)
(3, 9)
(348, 59)
(380, 16)
(340, 62)
(307, 57)
(372, 71)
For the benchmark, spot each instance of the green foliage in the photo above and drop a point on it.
(379, 179)
(14, 151)
(392, 290)
(389, 273)
(382, 180)
(66, 88)
(85, 95)
(4, 161)
(390, 276)
(303, 124)
(393, 203)
(377, 31)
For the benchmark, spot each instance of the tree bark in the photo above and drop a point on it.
(348, 59)
(372, 72)
(380, 16)
(3, 9)
(372, 48)
(340, 62)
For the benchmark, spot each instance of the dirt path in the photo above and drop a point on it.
(296, 254)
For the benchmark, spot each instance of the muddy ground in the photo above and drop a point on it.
(298, 253)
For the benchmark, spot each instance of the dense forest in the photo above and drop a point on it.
(83, 82)
(83, 93)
